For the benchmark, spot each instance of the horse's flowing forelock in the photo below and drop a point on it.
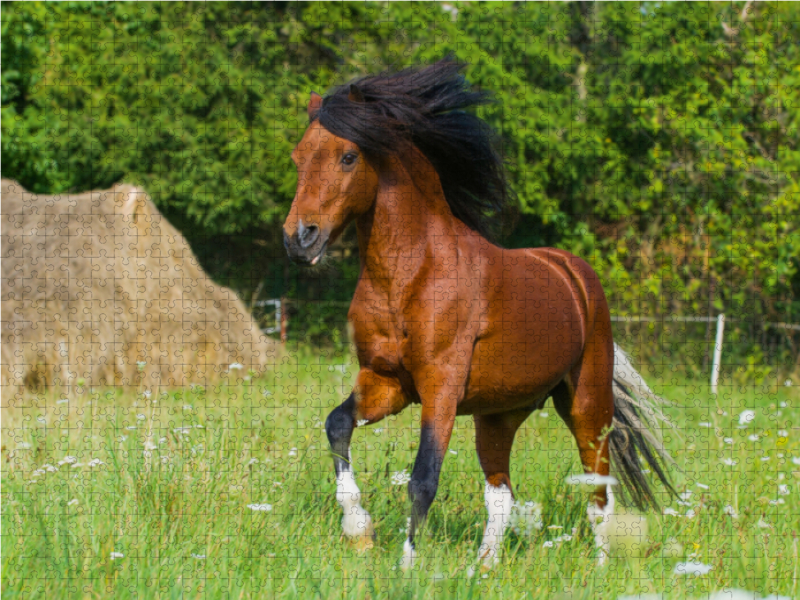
(426, 107)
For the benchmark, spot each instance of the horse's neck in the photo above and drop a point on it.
(409, 212)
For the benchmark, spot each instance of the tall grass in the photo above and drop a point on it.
(228, 492)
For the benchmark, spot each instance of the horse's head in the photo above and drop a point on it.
(335, 184)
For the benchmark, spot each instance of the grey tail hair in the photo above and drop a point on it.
(637, 422)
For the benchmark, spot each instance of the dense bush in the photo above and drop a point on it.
(658, 140)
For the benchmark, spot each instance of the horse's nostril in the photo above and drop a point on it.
(307, 235)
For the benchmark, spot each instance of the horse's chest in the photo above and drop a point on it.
(376, 339)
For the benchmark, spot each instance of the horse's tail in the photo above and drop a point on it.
(636, 431)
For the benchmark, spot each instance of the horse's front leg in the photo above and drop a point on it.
(438, 418)
(373, 398)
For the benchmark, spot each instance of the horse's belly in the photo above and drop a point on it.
(518, 368)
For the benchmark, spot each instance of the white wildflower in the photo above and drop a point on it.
(378, 431)
(198, 556)
(361, 422)
(62, 401)
(796, 460)
(787, 383)
(729, 510)
(783, 490)
(730, 462)
(746, 417)
(525, 518)
(95, 462)
(762, 524)
(764, 458)
(727, 440)
(260, 507)
(690, 514)
(72, 502)
(692, 568)
(753, 438)
(114, 555)
(235, 366)
(548, 544)
(401, 478)
(671, 512)
(68, 460)
(686, 495)
(187, 407)
(705, 424)
(140, 417)
(293, 452)
(453, 452)
(783, 433)
(702, 486)
(147, 394)
(24, 446)
(591, 479)
(544, 415)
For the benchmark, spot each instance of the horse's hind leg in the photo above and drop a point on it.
(494, 436)
(585, 401)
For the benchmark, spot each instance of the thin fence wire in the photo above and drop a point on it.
(752, 346)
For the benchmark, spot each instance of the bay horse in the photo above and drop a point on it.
(442, 316)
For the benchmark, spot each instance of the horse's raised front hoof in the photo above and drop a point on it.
(359, 531)
(363, 542)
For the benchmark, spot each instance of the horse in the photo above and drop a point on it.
(443, 316)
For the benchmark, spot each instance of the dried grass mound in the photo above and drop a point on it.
(99, 289)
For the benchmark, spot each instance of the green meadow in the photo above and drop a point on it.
(228, 491)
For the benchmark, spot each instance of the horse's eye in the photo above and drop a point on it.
(349, 158)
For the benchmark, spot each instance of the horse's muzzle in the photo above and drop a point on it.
(307, 245)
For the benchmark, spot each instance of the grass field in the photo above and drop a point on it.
(228, 492)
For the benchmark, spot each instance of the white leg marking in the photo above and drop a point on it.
(602, 521)
(356, 521)
(498, 504)
(409, 556)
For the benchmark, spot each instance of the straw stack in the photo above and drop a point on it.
(99, 289)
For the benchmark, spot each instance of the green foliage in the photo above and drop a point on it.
(657, 140)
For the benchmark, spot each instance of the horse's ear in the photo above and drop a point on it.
(355, 95)
(314, 104)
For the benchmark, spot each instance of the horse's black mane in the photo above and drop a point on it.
(425, 107)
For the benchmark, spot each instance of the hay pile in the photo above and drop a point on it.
(95, 283)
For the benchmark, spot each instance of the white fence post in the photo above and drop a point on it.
(717, 353)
